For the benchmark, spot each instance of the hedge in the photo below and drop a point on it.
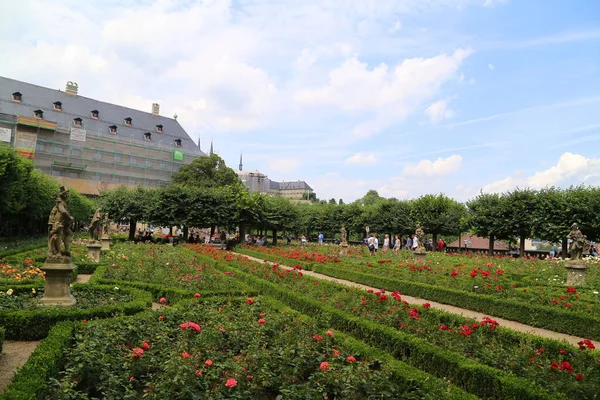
(550, 318)
(35, 324)
(480, 380)
(31, 381)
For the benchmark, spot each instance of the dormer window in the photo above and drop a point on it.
(39, 114)
(77, 122)
(95, 114)
(159, 128)
(57, 106)
(148, 136)
(17, 97)
(112, 129)
(128, 121)
(177, 142)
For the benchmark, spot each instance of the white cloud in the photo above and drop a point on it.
(491, 67)
(491, 3)
(437, 168)
(392, 94)
(397, 26)
(334, 185)
(571, 169)
(438, 111)
(283, 165)
(361, 158)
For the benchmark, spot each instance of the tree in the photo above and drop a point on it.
(485, 217)
(279, 215)
(370, 198)
(128, 205)
(519, 214)
(207, 172)
(438, 214)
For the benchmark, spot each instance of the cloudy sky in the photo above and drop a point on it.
(402, 96)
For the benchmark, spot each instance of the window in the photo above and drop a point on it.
(133, 161)
(55, 173)
(128, 121)
(159, 128)
(148, 136)
(132, 181)
(40, 146)
(57, 149)
(17, 97)
(112, 129)
(95, 177)
(178, 142)
(163, 165)
(73, 175)
(148, 163)
(117, 158)
(98, 156)
(77, 122)
(39, 114)
(95, 114)
(75, 152)
(57, 106)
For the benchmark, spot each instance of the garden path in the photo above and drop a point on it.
(517, 326)
(14, 355)
(83, 278)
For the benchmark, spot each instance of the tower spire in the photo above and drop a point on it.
(210, 153)
(240, 160)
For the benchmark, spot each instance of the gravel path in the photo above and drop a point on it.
(83, 278)
(14, 356)
(517, 326)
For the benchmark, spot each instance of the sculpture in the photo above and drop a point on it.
(95, 225)
(105, 224)
(420, 236)
(59, 231)
(579, 242)
(343, 235)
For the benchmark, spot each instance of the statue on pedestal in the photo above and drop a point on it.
(59, 230)
(96, 225)
(343, 235)
(579, 242)
(105, 224)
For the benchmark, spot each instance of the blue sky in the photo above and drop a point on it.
(402, 96)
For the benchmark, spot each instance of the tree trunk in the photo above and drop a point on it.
(185, 233)
(565, 248)
(522, 246)
(242, 233)
(274, 237)
(459, 242)
(434, 244)
(132, 224)
(212, 230)
(491, 246)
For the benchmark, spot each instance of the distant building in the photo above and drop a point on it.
(91, 145)
(256, 181)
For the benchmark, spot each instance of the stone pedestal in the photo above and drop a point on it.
(57, 291)
(343, 248)
(420, 256)
(105, 239)
(94, 252)
(576, 271)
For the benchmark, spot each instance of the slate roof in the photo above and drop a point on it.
(36, 97)
(476, 242)
(296, 185)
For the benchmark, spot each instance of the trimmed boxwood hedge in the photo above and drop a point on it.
(570, 322)
(35, 324)
(480, 380)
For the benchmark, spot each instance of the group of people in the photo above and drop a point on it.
(396, 243)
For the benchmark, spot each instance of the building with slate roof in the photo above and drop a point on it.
(256, 181)
(91, 145)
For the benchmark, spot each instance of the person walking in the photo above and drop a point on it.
(397, 244)
(386, 243)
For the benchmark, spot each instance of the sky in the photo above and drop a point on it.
(405, 97)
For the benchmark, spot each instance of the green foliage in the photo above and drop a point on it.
(207, 172)
(438, 214)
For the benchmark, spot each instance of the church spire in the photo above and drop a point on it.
(240, 160)
(210, 153)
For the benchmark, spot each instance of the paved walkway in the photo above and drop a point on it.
(517, 326)
(14, 355)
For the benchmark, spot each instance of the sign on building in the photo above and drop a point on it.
(5, 134)
(78, 135)
(25, 144)
(177, 155)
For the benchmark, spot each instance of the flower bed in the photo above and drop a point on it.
(95, 302)
(553, 306)
(419, 327)
(226, 348)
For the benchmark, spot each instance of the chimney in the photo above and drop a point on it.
(155, 108)
(72, 88)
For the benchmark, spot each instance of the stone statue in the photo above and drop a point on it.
(96, 225)
(420, 236)
(59, 230)
(579, 242)
(105, 224)
(343, 235)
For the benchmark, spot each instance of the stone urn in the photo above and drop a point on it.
(576, 271)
